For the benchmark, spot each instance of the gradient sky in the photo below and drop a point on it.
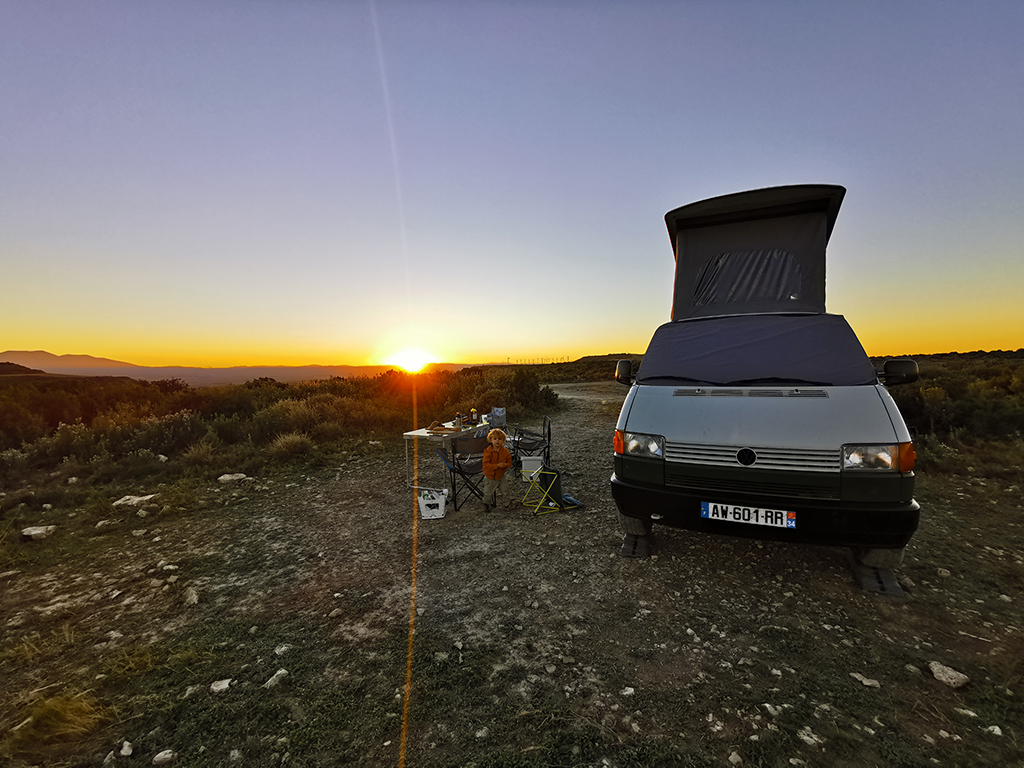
(234, 182)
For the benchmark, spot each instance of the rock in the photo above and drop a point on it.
(943, 572)
(276, 678)
(235, 756)
(947, 675)
(37, 532)
(735, 759)
(225, 479)
(865, 681)
(191, 596)
(220, 686)
(127, 749)
(1006, 598)
(282, 649)
(133, 501)
(995, 730)
(103, 523)
(164, 758)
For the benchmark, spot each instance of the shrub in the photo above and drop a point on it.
(291, 445)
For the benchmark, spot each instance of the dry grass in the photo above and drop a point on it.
(291, 445)
(67, 718)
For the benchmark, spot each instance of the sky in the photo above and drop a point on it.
(258, 182)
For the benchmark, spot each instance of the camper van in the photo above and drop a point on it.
(754, 412)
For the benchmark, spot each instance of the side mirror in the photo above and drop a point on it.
(902, 371)
(624, 372)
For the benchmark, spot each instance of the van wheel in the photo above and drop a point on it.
(631, 526)
(880, 558)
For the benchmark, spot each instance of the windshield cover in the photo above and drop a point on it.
(757, 350)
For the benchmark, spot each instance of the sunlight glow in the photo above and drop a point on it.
(411, 359)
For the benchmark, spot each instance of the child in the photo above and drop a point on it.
(497, 460)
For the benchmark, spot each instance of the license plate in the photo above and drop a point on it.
(734, 513)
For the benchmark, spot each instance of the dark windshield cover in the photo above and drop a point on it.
(757, 350)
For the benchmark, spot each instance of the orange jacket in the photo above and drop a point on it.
(492, 458)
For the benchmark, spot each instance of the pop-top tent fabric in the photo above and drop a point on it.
(753, 252)
(763, 350)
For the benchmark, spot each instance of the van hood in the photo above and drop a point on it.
(812, 418)
(756, 251)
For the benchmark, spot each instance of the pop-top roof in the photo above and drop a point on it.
(753, 252)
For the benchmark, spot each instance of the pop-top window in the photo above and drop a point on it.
(769, 274)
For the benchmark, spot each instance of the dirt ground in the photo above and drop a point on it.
(534, 642)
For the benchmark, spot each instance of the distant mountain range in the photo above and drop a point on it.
(87, 365)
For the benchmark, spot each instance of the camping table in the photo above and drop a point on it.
(445, 439)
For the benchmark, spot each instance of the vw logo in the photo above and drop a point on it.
(746, 456)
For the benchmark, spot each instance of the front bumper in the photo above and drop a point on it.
(865, 522)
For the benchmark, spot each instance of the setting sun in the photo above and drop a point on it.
(411, 360)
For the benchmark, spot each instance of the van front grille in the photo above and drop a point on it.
(799, 460)
(828, 491)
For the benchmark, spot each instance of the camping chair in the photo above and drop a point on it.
(465, 465)
(544, 492)
(526, 442)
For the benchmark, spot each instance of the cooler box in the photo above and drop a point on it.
(432, 502)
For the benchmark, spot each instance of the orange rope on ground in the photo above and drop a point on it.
(412, 594)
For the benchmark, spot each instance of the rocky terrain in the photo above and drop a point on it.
(272, 626)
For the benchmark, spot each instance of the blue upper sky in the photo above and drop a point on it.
(257, 182)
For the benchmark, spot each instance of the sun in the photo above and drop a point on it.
(411, 359)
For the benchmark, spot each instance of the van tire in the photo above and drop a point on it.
(631, 526)
(880, 558)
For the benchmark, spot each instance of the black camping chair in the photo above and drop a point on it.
(465, 466)
(526, 442)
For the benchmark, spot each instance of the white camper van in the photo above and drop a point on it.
(754, 412)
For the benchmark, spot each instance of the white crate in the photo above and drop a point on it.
(433, 502)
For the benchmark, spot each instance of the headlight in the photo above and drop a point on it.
(898, 457)
(639, 444)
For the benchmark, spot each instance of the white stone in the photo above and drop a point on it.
(483, 733)
(995, 730)
(163, 758)
(947, 675)
(37, 532)
(235, 756)
(127, 749)
(224, 479)
(191, 596)
(220, 686)
(865, 680)
(735, 759)
(133, 501)
(282, 649)
(965, 712)
(103, 523)
(628, 691)
(1006, 598)
(276, 678)
(943, 572)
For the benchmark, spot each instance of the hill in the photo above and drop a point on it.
(13, 369)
